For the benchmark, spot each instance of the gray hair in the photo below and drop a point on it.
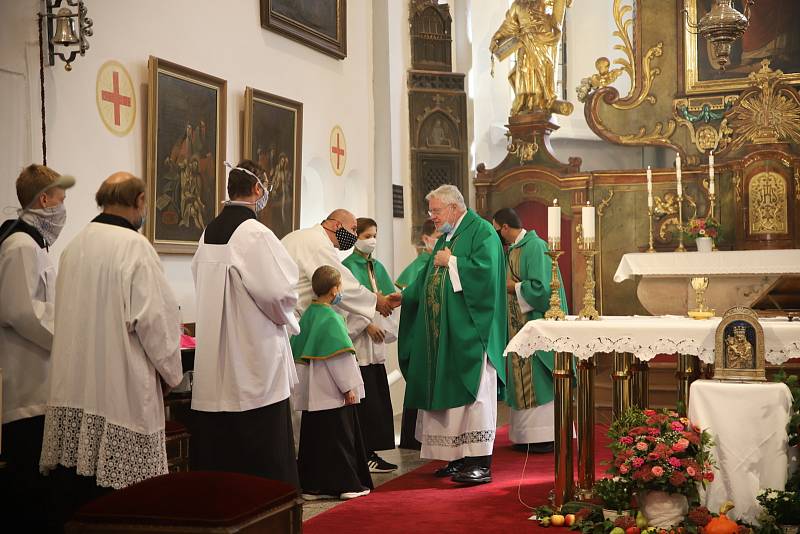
(449, 194)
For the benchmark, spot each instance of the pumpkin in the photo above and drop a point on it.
(722, 524)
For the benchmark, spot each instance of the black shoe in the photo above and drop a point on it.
(377, 464)
(541, 448)
(473, 475)
(452, 468)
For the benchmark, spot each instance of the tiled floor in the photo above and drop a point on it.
(405, 459)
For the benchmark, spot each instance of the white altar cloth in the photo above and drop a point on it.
(718, 263)
(748, 424)
(645, 337)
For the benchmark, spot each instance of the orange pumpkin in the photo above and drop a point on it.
(722, 524)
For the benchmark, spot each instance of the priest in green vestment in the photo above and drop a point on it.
(530, 380)
(453, 329)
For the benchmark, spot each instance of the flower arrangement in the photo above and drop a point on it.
(779, 507)
(659, 450)
(702, 227)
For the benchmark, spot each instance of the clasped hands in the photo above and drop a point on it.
(387, 303)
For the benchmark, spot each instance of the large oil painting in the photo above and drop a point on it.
(273, 133)
(773, 33)
(320, 24)
(185, 152)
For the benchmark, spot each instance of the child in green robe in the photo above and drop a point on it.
(332, 461)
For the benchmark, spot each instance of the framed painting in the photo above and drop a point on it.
(773, 33)
(273, 137)
(320, 24)
(739, 346)
(185, 153)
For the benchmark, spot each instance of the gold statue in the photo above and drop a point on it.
(738, 351)
(532, 29)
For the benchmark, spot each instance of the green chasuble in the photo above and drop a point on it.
(410, 273)
(369, 272)
(323, 335)
(529, 264)
(443, 334)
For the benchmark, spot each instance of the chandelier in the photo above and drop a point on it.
(721, 27)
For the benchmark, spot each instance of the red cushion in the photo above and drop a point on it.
(206, 498)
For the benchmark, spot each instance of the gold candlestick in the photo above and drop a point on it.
(711, 198)
(589, 311)
(650, 221)
(680, 248)
(555, 313)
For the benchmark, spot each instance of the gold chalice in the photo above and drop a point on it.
(700, 284)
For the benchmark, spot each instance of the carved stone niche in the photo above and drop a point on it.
(430, 35)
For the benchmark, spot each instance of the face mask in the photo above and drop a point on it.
(367, 246)
(345, 239)
(446, 228)
(48, 221)
(337, 299)
(261, 203)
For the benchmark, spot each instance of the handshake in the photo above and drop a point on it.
(387, 303)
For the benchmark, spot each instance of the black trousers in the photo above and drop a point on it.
(24, 493)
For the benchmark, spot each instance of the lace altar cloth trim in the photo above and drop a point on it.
(116, 456)
(646, 337)
(474, 436)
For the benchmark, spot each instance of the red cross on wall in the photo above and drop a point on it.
(339, 151)
(115, 98)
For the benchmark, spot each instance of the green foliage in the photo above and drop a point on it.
(779, 507)
(614, 492)
(793, 383)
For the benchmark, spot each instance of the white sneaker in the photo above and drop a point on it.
(316, 496)
(353, 494)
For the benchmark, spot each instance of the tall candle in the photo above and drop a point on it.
(711, 173)
(678, 174)
(554, 223)
(649, 188)
(587, 222)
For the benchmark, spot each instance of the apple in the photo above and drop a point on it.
(569, 520)
(557, 520)
(617, 530)
(633, 530)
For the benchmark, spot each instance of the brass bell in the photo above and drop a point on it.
(65, 28)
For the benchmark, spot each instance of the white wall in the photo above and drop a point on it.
(223, 39)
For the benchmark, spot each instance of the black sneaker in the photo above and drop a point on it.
(377, 464)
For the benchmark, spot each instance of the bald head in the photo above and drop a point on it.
(121, 189)
(340, 218)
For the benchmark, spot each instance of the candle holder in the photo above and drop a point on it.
(589, 311)
(680, 248)
(711, 199)
(555, 313)
(650, 248)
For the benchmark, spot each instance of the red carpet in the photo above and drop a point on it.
(420, 502)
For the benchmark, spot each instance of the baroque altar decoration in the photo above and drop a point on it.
(739, 347)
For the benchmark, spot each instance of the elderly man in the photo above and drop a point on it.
(116, 345)
(452, 335)
(27, 294)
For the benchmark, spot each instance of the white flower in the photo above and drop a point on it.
(772, 495)
(761, 492)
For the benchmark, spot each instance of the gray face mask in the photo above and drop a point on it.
(48, 221)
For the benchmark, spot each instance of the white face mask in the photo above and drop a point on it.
(367, 246)
(48, 221)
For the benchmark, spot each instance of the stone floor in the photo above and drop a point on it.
(406, 460)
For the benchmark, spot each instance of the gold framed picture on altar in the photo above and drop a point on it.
(739, 346)
(185, 154)
(773, 33)
(273, 138)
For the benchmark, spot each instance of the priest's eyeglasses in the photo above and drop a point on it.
(437, 211)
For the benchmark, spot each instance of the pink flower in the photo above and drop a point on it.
(623, 469)
(657, 471)
(626, 440)
(649, 412)
(652, 456)
(654, 431)
(709, 476)
(680, 445)
(691, 471)
(642, 446)
(637, 462)
(675, 425)
(674, 462)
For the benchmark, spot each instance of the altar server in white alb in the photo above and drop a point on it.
(244, 372)
(116, 344)
(27, 295)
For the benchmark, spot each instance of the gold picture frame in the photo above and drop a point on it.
(273, 138)
(186, 126)
(320, 24)
(739, 347)
(699, 76)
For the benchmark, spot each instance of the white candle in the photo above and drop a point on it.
(711, 173)
(649, 187)
(587, 222)
(678, 174)
(554, 224)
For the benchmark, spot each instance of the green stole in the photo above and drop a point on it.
(414, 268)
(369, 272)
(323, 335)
(530, 379)
(443, 334)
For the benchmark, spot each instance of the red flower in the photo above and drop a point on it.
(700, 516)
(709, 476)
(677, 479)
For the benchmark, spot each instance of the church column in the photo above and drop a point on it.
(586, 374)
(620, 378)
(564, 490)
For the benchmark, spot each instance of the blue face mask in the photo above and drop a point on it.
(446, 228)
(337, 299)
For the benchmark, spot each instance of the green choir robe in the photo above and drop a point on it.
(369, 272)
(323, 335)
(410, 273)
(529, 265)
(443, 334)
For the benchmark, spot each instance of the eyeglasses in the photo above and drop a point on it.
(437, 211)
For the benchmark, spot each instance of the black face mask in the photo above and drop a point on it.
(346, 239)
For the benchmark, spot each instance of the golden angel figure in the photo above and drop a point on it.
(532, 29)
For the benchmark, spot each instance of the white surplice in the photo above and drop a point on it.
(310, 249)
(323, 383)
(367, 351)
(117, 335)
(27, 291)
(245, 314)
